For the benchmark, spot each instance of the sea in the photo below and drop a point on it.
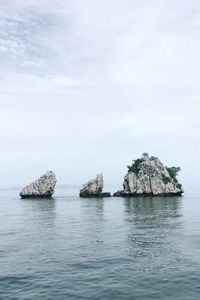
(71, 248)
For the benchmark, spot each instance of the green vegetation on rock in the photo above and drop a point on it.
(135, 166)
(166, 179)
(179, 186)
(173, 172)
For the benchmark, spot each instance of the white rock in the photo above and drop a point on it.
(94, 188)
(149, 180)
(42, 187)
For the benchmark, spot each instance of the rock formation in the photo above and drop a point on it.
(147, 176)
(42, 187)
(94, 188)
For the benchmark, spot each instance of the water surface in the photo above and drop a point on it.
(114, 248)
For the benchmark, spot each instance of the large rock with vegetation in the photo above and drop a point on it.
(94, 188)
(42, 187)
(147, 176)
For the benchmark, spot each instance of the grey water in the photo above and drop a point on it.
(112, 248)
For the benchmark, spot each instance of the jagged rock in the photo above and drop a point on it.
(94, 188)
(42, 187)
(149, 177)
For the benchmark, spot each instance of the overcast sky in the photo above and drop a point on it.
(88, 85)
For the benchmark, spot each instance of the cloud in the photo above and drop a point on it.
(86, 86)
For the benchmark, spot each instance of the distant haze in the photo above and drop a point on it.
(86, 86)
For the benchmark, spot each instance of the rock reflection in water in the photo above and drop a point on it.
(154, 226)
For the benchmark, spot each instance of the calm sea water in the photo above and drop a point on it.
(114, 248)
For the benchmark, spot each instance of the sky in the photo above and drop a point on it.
(87, 86)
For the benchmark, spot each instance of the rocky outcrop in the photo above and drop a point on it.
(42, 187)
(94, 188)
(149, 177)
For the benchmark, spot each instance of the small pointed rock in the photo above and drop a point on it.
(94, 188)
(42, 187)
